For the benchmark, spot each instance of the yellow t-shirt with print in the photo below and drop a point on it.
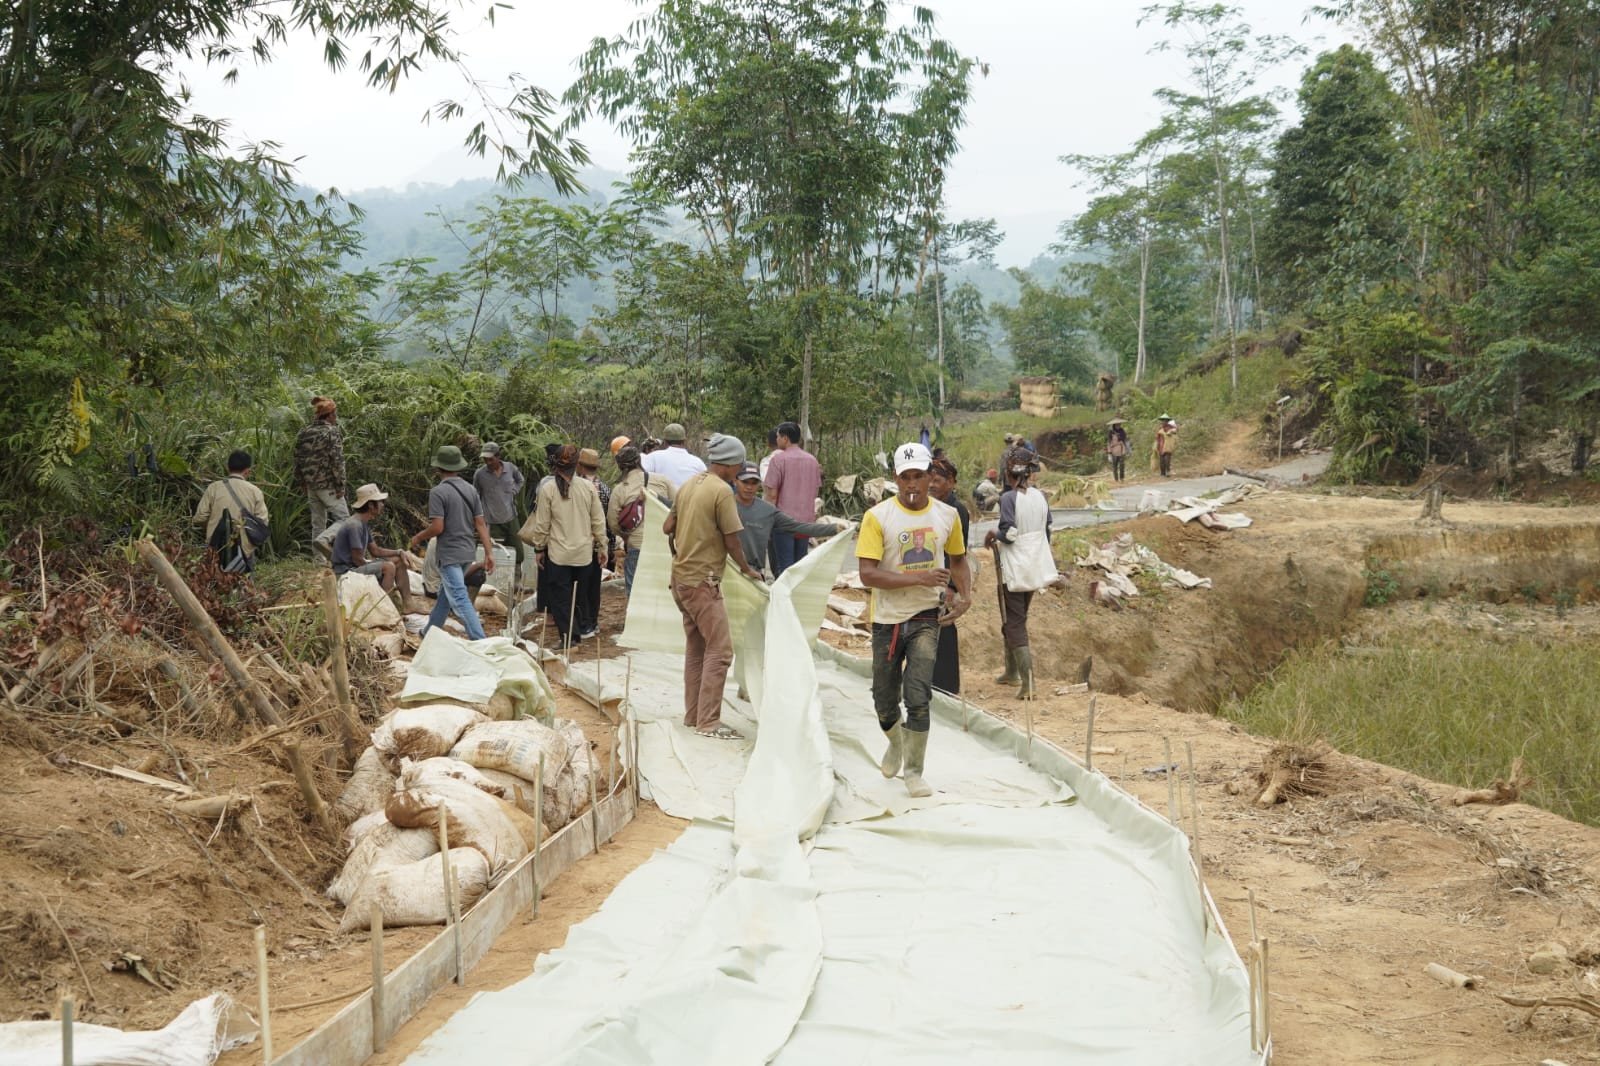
(904, 540)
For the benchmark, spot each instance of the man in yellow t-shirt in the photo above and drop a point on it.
(909, 550)
(702, 530)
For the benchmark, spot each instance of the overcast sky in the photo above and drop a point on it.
(1065, 76)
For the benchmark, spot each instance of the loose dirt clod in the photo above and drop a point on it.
(1293, 770)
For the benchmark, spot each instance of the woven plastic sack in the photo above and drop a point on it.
(423, 732)
(413, 894)
(369, 787)
(477, 820)
(386, 845)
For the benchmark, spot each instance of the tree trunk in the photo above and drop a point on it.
(1144, 285)
(1226, 271)
(938, 311)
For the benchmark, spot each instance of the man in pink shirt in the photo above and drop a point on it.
(792, 482)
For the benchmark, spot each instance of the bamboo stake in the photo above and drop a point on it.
(261, 990)
(68, 1010)
(572, 615)
(1254, 970)
(349, 721)
(451, 919)
(1088, 744)
(594, 805)
(379, 1037)
(1027, 713)
(538, 830)
(1194, 803)
(1266, 994)
(308, 787)
(1172, 786)
(254, 695)
(966, 715)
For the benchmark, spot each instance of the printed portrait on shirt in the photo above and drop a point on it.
(915, 551)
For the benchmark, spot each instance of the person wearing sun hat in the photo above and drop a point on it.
(1165, 444)
(910, 550)
(1117, 448)
(355, 552)
(567, 533)
(455, 517)
(702, 533)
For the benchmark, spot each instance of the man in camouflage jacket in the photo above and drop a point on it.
(319, 469)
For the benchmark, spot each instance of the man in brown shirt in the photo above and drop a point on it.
(702, 530)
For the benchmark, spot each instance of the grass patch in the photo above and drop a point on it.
(1454, 707)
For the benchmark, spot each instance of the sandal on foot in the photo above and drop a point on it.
(721, 732)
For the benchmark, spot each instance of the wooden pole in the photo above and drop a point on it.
(966, 715)
(379, 1036)
(1194, 803)
(572, 617)
(69, 1009)
(1266, 994)
(1088, 744)
(254, 695)
(1027, 713)
(594, 804)
(1172, 785)
(451, 918)
(538, 829)
(349, 721)
(261, 990)
(308, 787)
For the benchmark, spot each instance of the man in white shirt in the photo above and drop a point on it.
(674, 462)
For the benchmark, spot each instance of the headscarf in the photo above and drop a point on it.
(563, 465)
(627, 458)
(947, 470)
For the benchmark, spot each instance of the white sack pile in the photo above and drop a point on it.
(1191, 508)
(1120, 558)
(444, 757)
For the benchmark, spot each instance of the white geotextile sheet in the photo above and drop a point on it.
(206, 1028)
(996, 921)
(472, 671)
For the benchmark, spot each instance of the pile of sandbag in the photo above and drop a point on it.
(451, 761)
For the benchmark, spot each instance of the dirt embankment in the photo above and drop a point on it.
(1297, 576)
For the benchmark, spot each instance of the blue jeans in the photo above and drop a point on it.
(786, 551)
(453, 596)
(630, 566)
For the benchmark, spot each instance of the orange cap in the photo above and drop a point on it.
(618, 443)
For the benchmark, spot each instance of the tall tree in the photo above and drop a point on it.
(1327, 190)
(806, 138)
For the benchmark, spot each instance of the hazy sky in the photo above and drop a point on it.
(1065, 76)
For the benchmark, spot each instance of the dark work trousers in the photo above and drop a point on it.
(564, 583)
(1166, 464)
(589, 596)
(1118, 467)
(1014, 630)
(947, 666)
(902, 668)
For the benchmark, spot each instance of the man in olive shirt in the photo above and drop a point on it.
(702, 530)
(499, 484)
(764, 522)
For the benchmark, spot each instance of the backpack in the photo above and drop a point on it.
(632, 513)
(231, 533)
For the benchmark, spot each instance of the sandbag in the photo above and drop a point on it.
(369, 787)
(489, 604)
(365, 604)
(426, 771)
(514, 747)
(356, 830)
(569, 795)
(477, 820)
(519, 794)
(386, 845)
(413, 894)
(422, 732)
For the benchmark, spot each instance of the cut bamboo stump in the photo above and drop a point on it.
(349, 721)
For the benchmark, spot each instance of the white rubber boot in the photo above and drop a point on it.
(896, 753)
(916, 750)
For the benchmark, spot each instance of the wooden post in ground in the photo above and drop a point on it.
(255, 696)
(261, 991)
(379, 1036)
(69, 1010)
(451, 918)
(349, 721)
(538, 830)
(1172, 784)
(594, 804)
(1088, 744)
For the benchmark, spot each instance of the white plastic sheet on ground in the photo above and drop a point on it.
(815, 913)
(206, 1028)
(474, 670)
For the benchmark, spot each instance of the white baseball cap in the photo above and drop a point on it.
(912, 456)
